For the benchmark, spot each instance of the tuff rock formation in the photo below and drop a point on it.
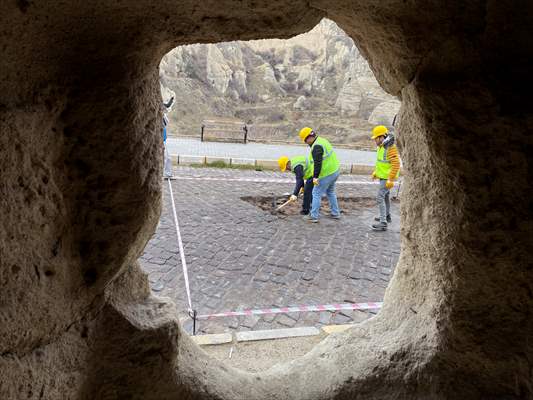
(80, 195)
(318, 78)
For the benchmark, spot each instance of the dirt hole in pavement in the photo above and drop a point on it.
(348, 205)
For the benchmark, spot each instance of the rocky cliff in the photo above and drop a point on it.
(278, 86)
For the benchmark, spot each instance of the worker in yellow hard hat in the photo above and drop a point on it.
(325, 173)
(387, 170)
(303, 171)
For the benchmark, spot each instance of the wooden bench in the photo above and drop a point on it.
(224, 130)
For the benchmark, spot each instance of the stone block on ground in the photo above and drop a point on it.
(187, 160)
(285, 320)
(212, 339)
(242, 161)
(276, 334)
(336, 328)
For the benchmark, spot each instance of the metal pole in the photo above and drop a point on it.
(398, 191)
(194, 323)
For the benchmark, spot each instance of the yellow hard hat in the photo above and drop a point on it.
(378, 131)
(282, 162)
(304, 132)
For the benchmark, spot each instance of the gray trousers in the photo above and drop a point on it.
(383, 200)
(167, 167)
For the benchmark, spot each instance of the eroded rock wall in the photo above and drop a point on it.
(81, 149)
(318, 77)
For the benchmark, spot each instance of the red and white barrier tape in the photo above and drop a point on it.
(286, 310)
(261, 180)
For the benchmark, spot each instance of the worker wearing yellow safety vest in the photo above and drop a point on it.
(303, 171)
(387, 171)
(325, 173)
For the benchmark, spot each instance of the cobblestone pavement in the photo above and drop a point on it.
(240, 256)
(194, 147)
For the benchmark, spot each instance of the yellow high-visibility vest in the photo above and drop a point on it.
(330, 162)
(382, 164)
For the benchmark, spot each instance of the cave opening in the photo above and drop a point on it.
(243, 261)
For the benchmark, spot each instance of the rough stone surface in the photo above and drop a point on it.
(263, 354)
(274, 85)
(384, 113)
(81, 148)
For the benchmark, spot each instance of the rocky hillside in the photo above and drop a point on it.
(317, 79)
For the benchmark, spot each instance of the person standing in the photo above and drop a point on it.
(245, 129)
(325, 173)
(303, 171)
(167, 165)
(387, 170)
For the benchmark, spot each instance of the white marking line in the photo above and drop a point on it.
(259, 180)
(180, 246)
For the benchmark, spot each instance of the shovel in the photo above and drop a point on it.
(283, 205)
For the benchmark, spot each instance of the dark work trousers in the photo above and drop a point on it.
(308, 195)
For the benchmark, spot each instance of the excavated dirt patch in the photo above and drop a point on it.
(348, 205)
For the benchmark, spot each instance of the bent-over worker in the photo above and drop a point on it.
(303, 171)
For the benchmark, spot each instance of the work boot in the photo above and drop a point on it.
(303, 212)
(380, 226)
(389, 219)
(335, 216)
(308, 218)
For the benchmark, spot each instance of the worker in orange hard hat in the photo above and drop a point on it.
(387, 170)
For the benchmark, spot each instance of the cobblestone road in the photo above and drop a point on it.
(194, 147)
(240, 256)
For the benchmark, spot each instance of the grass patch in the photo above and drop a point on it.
(222, 164)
